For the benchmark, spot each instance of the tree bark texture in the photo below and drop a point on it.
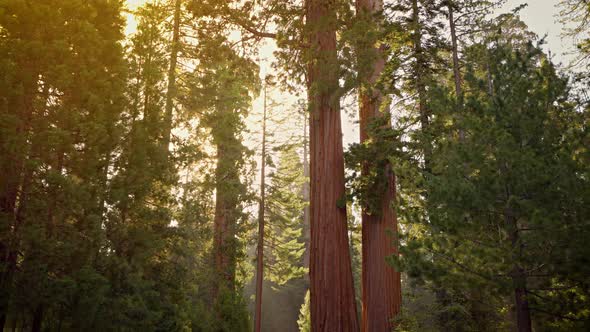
(331, 285)
(225, 204)
(381, 284)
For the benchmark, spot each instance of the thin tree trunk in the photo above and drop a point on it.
(37, 319)
(455, 52)
(171, 91)
(419, 73)
(523, 314)
(11, 182)
(14, 324)
(490, 79)
(331, 285)
(260, 248)
(147, 113)
(519, 280)
(381, 284)
(456, 69)
(305, 191)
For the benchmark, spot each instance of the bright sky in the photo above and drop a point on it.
(539, 15)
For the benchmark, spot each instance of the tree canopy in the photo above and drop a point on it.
(191, 175)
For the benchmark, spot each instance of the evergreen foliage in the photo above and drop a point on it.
(285, 209)
(127, 172)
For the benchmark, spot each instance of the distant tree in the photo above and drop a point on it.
(223, 91)
(285, 212)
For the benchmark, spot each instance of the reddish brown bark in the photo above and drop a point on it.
(523, 313)
(381, 284)
(331, 285)
(456, 69)
(223, 245)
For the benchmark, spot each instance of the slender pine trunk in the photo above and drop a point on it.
(260, 248)
(519, 279)
(305, 194)
(37, 319)
(172, 90)
(455, 53)
(419, 78)
(11, 182)
(456, 68)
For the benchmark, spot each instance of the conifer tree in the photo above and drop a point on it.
(280, 246)
(224, 98)
(57, 138)
(495, 211)
(285, 212)
(331, 285)
(381, 284)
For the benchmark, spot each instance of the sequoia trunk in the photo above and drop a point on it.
(223, 229)
(381, 284)
(331, 285)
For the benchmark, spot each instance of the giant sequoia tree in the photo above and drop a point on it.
(331, 285)
(224, 96)
(332, 292)
(381, 284)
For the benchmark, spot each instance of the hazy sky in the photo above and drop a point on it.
(540, 16)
